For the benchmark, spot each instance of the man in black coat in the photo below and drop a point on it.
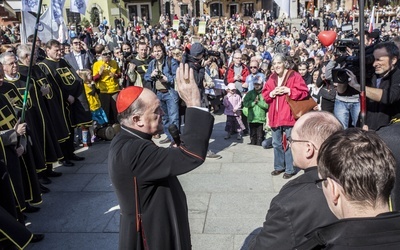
(145, 176)
(357, 174)
(300, 205)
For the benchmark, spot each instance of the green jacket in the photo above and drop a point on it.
(256, 112)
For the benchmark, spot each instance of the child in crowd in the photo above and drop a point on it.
(99, 117)
(233, 103)
(256, 112)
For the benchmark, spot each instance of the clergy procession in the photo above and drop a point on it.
(301, 114)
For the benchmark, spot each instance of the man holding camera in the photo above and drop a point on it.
(161, 74)
(383, 94)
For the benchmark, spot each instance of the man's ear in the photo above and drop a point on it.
(335, 191)
(136, 120)
(310, 150)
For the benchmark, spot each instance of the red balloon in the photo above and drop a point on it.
(327, 37)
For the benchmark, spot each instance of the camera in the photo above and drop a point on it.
(340, 76)
(159, 75)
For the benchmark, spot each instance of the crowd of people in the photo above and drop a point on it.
(133, 82)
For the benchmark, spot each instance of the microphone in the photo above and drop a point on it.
(173, 130)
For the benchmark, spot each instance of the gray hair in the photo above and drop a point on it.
(24, 50)
(282, 58)
(136, 108)
(4, 55)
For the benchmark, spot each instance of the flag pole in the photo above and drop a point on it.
(363, 98)
(28, 78)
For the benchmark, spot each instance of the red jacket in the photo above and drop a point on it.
(231, 73)
(279, 113)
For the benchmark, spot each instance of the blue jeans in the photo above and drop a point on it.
(343, 110)
(169, 105)
(283, 160)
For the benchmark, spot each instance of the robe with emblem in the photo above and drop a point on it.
(70, 84)
(33, 160)
(47, 135)
(11, 228)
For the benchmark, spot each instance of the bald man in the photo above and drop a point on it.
(145, 176)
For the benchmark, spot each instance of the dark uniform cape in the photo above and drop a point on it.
(141, 68)
(8, 153)
(33, 160)
(33, 118)
(162, 199)
(11, 230)
(380, 113)
(54, 102)
(70, 84)
(370, 233)
(298, 208)
(51, 148)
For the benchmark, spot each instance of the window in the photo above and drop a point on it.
(215, 9)
(184, 9)
(248, 9)
(140, 10)
(73, 17)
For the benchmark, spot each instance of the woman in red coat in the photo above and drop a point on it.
(280, 117)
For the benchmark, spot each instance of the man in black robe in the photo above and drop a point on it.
(137, 165)
(74, 98)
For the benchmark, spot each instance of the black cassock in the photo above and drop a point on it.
(62, 74)
(162, 200)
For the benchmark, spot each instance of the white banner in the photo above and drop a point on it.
(285, 6)
(47, 28)
(30, 5)
(78, 6)
(57, 10)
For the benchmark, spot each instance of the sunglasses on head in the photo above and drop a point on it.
(106, 54)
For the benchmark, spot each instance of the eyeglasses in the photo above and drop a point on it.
(252, 67)
(106, 54)
(12, 63)
(318, 182)
(290, 140)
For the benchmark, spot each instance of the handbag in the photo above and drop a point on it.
(299, 107)
(141, 242)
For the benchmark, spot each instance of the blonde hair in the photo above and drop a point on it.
(85, 75)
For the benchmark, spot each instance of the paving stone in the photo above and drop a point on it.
(73, 212)
(69, 241)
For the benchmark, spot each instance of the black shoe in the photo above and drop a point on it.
(67, 163)
(77, 158)
(288, 176)
(53, 174)
(277, 172)
(44, 189)
(165, 141)
(37, 238)
(31, 209)
(44, 180)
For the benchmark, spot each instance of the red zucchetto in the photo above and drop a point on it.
(127, 96)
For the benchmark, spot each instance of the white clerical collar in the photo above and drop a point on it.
(12, 78)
